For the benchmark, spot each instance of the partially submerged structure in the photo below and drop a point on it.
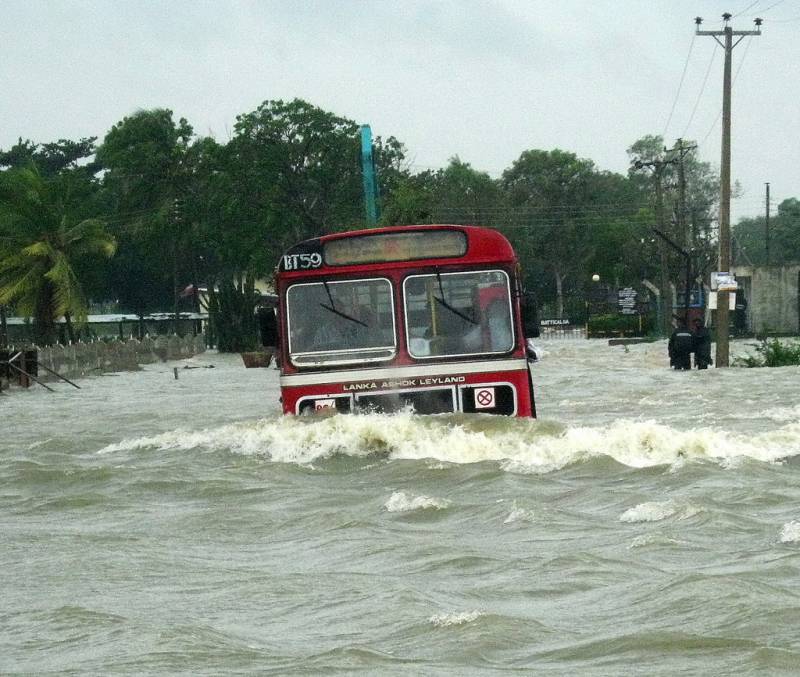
(120, 325)
(772, 295)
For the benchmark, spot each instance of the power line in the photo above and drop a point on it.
(680, 85)
(785, 21)
(774, 4)
(747, 9)
(700, 93)
(738, 70)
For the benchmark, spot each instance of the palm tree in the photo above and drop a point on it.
(42, 235)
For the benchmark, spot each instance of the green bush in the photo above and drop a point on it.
(615, 324)
(771, 353)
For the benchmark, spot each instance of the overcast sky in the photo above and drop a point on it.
(481, 80)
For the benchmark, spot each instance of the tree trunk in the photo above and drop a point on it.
(666, 292)
(44, 326)
(666, 297)
(70, 329)
(559, 293)
(175, 292)
(231, 310)
(3, 328)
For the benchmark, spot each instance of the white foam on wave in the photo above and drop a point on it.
(400, 501)
(790, 532)
(652, 538)
(648, 401)
(778, 414)
(519, 445)
(652, 511)
(518, 514)
(655, 511)
(448, 620)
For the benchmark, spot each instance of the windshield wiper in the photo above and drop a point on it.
(335, 310)
(445, 304)
(344, 315)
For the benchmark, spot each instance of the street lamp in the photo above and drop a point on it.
(592, 294)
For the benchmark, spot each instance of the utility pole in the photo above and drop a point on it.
(727, 33)
(766, 228)
(658, 167)
(685, 236)
(177, 218)
(687, 258)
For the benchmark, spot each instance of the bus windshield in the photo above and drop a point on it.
(340, 322)
(449, 314)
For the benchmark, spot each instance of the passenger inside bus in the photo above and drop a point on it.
(352, 326)
(458, 314)
(340, 316)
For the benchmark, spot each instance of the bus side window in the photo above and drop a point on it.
(278, 337)
(530, 316)
(499, 327)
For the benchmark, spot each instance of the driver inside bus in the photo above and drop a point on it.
(352, 326)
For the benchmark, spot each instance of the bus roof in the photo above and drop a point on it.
(476, 245)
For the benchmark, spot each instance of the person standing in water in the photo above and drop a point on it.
(702, 344)
(680, 347)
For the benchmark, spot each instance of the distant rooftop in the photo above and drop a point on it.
(116, 318)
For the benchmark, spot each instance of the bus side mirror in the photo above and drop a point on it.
(530, 316)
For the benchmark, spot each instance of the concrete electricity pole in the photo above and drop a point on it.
(658, 167)
(685, 236)
(766, 228)
(727, 34)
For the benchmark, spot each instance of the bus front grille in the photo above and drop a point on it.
(428, 401)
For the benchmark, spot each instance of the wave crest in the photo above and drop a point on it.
(519, 445)
(790, 533)
(448, 620)
(400, 501)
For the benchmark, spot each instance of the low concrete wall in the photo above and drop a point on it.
(773, 297)
(84, 359)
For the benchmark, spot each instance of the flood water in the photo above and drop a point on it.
(647, 523)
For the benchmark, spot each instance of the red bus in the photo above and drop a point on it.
(428, 317)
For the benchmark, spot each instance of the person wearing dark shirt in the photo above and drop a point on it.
(740, 314)
(680, 347)
(702, 345)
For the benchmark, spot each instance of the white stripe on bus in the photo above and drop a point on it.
(488, 367)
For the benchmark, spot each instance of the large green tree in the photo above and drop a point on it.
(784, 236)
(458, 193)
(305, 162)
(44, 232)
(688, 223)
(146, 176)
(565, 217)
(53, 157)
(290, 172)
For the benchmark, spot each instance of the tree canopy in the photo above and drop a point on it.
(784, 237)
(185, 211)
(43, 233)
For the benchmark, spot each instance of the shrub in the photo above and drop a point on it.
(771, 353)
(613, 324)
